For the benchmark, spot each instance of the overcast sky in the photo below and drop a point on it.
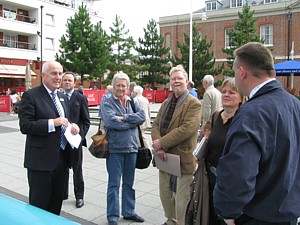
(137, 13)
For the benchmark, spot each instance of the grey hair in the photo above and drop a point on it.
(109, 88)
(178, 68)
(120, 76)
(45, 67)
(132, 84)
(191, 83)
(209, 79)
(139, 90)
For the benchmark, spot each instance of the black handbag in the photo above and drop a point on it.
(144, 155)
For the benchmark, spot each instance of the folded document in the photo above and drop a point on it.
(171, 165)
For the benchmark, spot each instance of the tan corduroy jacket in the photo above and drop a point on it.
(181, 136)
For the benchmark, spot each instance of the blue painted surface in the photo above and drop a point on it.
(15, 212)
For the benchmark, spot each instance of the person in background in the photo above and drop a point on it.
(211, 100)
(15, 99)
(121, 128)
(174, 131)
(43, 117)
(145, 105)
(80, 89)
(79, 113)
(131, 86)
(258, 176)
(108, 93)
(191, 89)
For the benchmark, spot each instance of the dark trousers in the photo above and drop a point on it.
(46, 188)
(76, 164)
(246, 220)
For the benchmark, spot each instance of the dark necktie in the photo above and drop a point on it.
(63, 140)
(68, 95)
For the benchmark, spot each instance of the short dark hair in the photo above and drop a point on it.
(69, 72)
(257, 58)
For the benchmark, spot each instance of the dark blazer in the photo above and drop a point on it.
(42, 149)
(79, 114)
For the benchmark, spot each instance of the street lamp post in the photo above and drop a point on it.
(191, 45)
(191, 40)
(40, 34)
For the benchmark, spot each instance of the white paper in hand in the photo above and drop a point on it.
(74, 140)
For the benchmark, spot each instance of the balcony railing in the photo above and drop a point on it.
(18, 44)
(18, 17)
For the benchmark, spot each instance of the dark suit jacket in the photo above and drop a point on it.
(42, 149)
(79, 114)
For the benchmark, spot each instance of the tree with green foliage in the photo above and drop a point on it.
(99, 51)
(121, 48)
(152, 55)
(203, 61)
(244, 31)
(77, 46)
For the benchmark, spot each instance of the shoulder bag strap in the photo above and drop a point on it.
(140, 133)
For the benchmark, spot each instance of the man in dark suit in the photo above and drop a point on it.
(79, 113)
(43, 117)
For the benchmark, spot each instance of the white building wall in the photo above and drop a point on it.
(50, 31)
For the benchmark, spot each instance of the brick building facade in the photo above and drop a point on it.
(278, 21)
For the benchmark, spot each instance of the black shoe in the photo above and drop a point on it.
(135, 218)
(79, 203)
(112, 223)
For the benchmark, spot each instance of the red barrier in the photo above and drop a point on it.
(92, 97)
(168, 92)
(100, 94)
(160, 96)
(5, 103)
(149, 94)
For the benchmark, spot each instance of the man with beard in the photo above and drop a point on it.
(175, 131)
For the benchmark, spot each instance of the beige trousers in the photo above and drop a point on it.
(175, 204)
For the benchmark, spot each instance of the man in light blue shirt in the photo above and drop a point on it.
(190, 87)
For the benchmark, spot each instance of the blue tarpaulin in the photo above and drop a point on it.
(13, 211)
(287, 68)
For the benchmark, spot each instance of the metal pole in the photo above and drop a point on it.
(289, 34)
(41, 36)
(191, 44)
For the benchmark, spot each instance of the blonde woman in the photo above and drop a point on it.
(203, 212)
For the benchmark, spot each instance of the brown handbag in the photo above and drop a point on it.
(99, 146)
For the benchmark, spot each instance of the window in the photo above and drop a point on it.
(17, 82)
(10, 41)
(270, 1)
(49, 19)
(266, 33)
(168, 41)
(200, 35)
(49, 43)
(228, 40)
(9, 13)
(236, 3)
(210, 6)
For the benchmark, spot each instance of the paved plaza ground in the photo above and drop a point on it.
(13, 180)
